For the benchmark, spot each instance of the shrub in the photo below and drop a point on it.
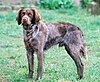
(56, 4)
(84, 3)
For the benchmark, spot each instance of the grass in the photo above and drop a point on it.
(58, 66)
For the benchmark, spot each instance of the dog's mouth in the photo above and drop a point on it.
(25, 24)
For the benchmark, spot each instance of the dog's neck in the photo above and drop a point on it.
(31, 30)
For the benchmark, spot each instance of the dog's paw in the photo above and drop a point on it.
(79, 78)
(38, 78)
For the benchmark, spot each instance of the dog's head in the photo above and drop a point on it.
(27, 16)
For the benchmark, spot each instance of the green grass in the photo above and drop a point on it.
(58, 66)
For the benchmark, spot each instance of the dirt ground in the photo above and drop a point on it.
(15, 4)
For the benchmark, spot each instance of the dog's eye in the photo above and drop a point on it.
(23, 13)
(29, 14)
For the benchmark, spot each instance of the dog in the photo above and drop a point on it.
(40, 36)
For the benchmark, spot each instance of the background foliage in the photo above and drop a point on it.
(56, 4)
(84, 3)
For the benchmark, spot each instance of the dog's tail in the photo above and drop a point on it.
(83, 51)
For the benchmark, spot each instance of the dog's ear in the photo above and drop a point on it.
(36, 15)
(18, 17)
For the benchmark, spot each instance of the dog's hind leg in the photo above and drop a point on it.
(72, 45)
(75, 55)
(83, 51)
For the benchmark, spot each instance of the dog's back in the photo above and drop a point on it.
(65, 33)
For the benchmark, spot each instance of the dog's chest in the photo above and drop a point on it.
(30, 38)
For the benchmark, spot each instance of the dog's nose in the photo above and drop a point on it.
(25, 19)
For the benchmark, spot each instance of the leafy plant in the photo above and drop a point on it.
(84, 3)
(56, 4)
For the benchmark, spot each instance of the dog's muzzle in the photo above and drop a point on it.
(26, 20)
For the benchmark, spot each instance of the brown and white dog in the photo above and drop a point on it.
(39, 36)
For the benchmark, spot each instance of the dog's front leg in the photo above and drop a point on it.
(40, 64)
(30, 58)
